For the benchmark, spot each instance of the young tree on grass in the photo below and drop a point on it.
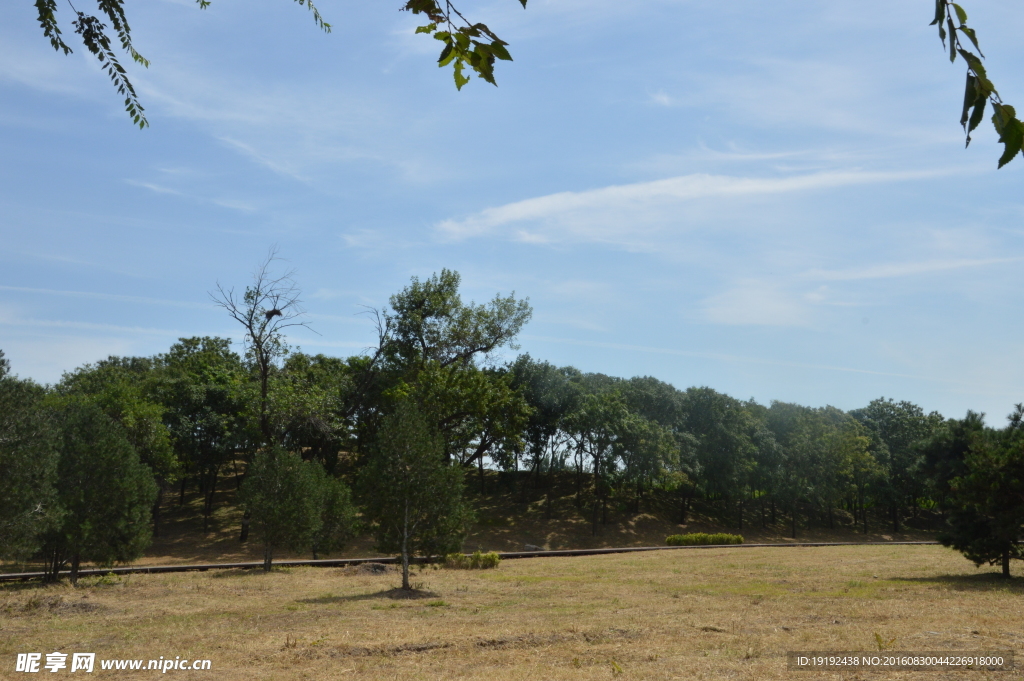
(413, 499)
(105, 494)
(294, 505)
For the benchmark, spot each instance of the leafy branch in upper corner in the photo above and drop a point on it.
(465, 44)
(980, 90)
(98, 43)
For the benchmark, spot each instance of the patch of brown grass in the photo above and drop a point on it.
(708, 614)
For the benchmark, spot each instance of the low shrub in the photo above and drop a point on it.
(477, 561)
(703, 538)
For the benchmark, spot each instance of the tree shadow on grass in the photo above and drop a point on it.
(983, 581)
(395, 594)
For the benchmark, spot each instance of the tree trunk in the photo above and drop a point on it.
(268, 556)
(480, 465)
(181, 499)
(244, 535)
(682, 507)
(208, 502)
(76, 562)
(741, 513)
(54, 562)
(831, 518)
(156, 508)
(1006, 563)
(405, 549)
(773, 511)
(793, 520)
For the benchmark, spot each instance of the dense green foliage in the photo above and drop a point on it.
(28, 461)
(87, 461)
(104, 492)
(703, 539)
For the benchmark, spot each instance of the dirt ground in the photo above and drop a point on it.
(691, 614)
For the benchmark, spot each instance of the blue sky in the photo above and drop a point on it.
(771, 199)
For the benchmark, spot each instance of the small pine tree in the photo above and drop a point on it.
(977, 475)
(281, 498)
(413, 499)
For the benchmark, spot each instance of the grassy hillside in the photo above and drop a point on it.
(513, 511)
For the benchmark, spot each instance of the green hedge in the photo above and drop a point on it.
(703, 538)
(478, 561)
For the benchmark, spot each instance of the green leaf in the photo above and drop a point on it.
(429, 28)
(969, 32)
(447, 54)
(974, 62)
(940, 13)
(1001, 114)
(952, 40)
(960, 13)
(499, 51)
(970, 95)
(460, 79)
(976, 116)
(523, 3)
(1013, 137)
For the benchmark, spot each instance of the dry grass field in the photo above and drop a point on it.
(686, 614)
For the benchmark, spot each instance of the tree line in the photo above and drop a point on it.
(325, 447)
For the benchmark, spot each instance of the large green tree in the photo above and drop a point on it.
(412, 498)
(105, 493)
(28, 466)
(124, 388)
(201, 387)
(897, 429)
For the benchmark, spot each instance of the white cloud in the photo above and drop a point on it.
(620, 212)
(159, 189)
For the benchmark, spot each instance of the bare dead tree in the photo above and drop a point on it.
(268, 306)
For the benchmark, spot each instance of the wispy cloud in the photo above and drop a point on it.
(904, 269)
(154, 187)
(586, 214)
(110, 296)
